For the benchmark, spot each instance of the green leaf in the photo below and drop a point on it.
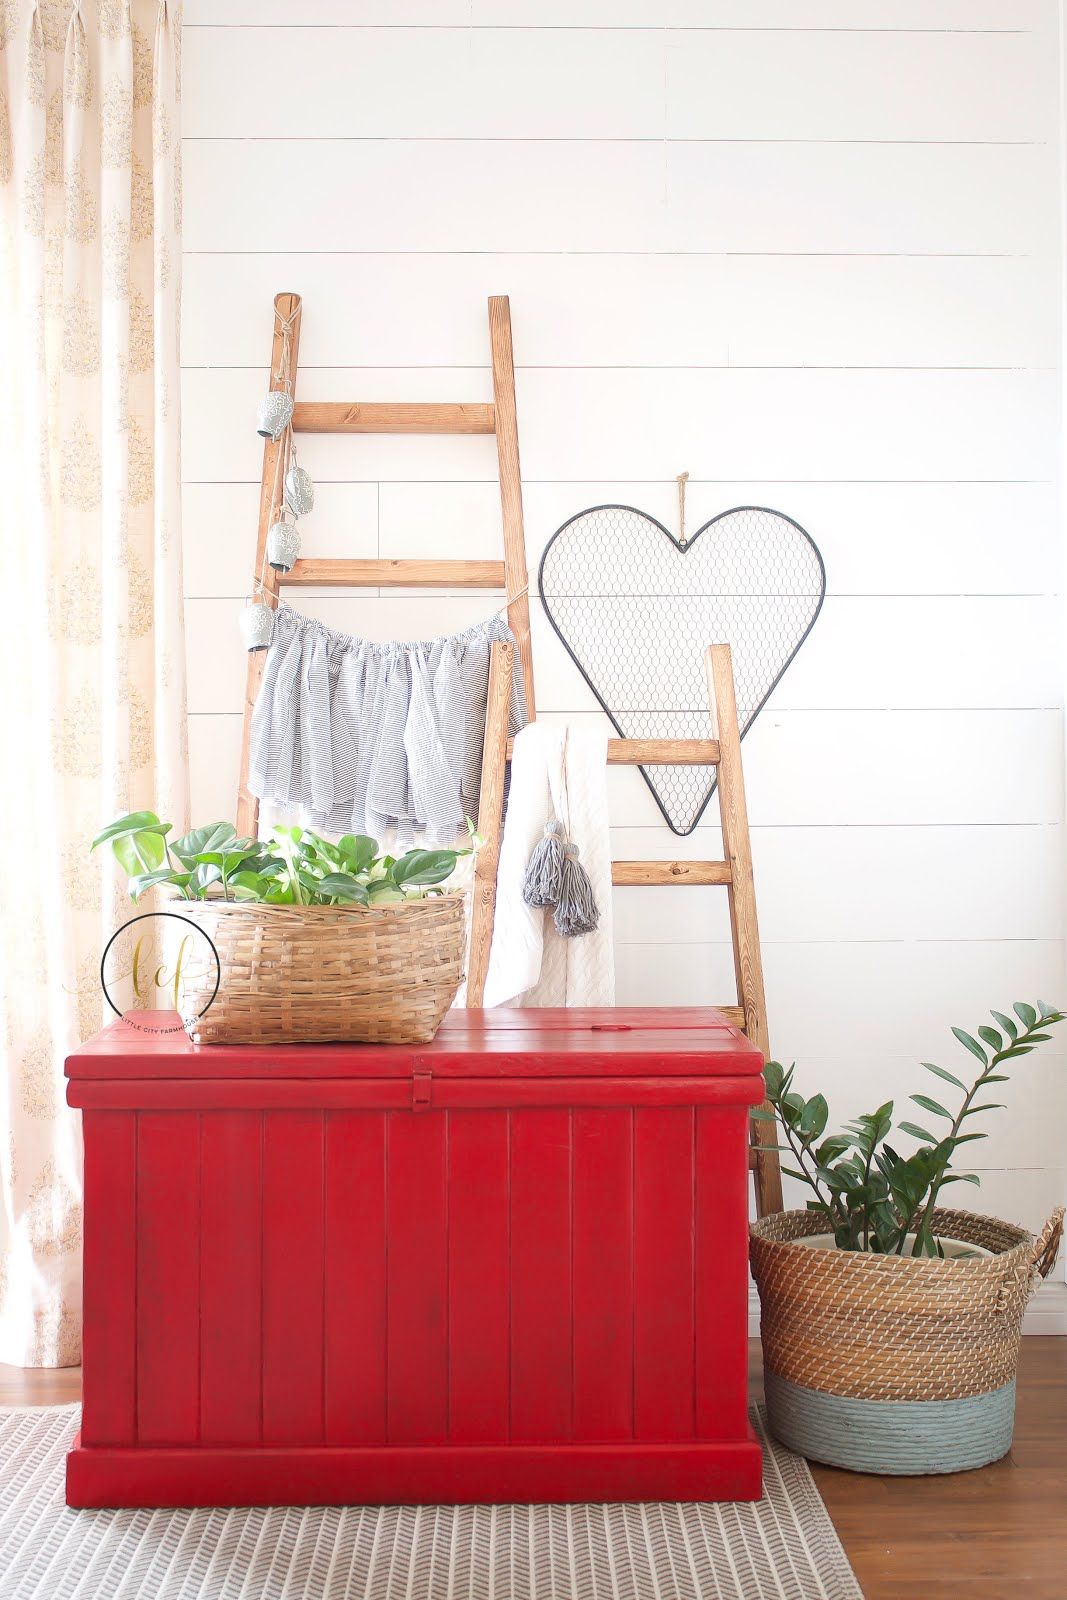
(772, 1077)
(424, 866)
(962, 1177)
(941, 1072)
(244, 892)
(973, 1110)
(143, 881)
(931, 1105)
(323, 852)
(792, 1108)
(342, 886)
(813, 1118)
(791, 1172)
(758, 1114)
(205, 875)
(1026, 1014)
(383, 893)
(972, 1045)
(995, 1077)
(357, 851)
(137, 853)
(134, 822)
(991, 1037)
(249, 885)
(228, 860)
(1006, 1023)
(200, 840)
(916, 1132)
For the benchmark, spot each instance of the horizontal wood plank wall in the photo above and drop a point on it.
(804, 249)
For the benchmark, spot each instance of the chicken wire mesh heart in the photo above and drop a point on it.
(636, 609)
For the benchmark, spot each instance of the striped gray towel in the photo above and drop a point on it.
(358, 737)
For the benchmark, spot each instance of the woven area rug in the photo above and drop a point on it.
(784, 1548)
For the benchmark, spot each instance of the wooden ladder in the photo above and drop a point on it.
(319, 416)
(499, 417)
(734, 872)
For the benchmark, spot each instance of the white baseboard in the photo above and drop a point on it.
(1046, 1313)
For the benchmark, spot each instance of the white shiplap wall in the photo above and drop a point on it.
(807, 250)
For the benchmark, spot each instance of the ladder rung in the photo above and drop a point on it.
(732, 1014)
(658, 752)
(397, 574)
(663, 752)
(628, 874)
(392, 416)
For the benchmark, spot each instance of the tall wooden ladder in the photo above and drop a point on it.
(733, 872)
(328, 416)
(499, 418)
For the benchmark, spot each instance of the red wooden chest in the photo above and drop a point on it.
(507, 1266)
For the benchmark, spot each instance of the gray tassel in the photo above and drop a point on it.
(576, 909)
(544, 875)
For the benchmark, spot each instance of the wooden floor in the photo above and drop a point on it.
(997, 1534)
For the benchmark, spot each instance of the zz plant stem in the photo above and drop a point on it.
(873, 1198)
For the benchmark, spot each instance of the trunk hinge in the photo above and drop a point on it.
(420, 1089)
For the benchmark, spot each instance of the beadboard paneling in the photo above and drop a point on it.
(696, 310)
(898, 998)
(887, 883)
(881, 16)
(618, 195)
(892, 539)
(588, 423)
(806, 250)
(948, 661)
(804, 769)
(573, 83)
(1035, 1096)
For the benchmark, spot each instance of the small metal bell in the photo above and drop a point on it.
(283, 545)
(257, 624)
(299, 491)
(275, 413)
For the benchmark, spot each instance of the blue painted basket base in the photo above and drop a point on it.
(892, 1437)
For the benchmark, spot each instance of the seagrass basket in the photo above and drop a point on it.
(891, 1364)
(308, 974)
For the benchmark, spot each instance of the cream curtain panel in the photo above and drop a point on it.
(92, 691)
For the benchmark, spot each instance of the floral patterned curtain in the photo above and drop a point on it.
(92, 687)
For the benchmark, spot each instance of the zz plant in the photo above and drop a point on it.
(870, 1196)
(293, 867)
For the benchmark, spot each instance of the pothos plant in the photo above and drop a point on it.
(294, 866)
(870, 1196)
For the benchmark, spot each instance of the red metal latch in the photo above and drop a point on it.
(420, 1088)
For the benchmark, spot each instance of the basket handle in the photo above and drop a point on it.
(1042, 1259)
(1047, 1243)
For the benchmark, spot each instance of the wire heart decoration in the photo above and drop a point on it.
(635, 608)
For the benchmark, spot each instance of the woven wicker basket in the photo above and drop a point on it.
(307, 974)
(890, 1364)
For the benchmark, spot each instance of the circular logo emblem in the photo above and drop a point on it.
(157, 964)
